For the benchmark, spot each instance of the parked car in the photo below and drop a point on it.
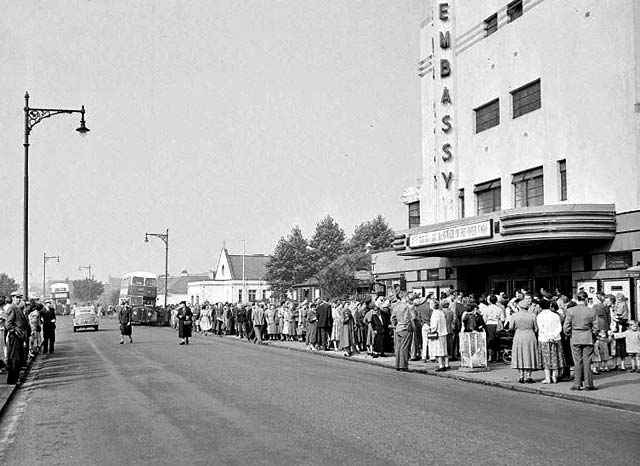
(85, 317)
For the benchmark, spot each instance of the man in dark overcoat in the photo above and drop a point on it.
(124, 318)
(48, 327)
(16, 327)
(325, 322)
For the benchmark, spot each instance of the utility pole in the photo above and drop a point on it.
(88, 268)
(45, 258)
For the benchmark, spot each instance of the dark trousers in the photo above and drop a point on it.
(416, 342)
(323, 337)
(582, 365)
(48, 340)
(402, 346)
(257, 329)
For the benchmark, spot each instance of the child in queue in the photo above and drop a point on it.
(632, 340)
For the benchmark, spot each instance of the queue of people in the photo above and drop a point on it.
(26, 329)
(550, 332)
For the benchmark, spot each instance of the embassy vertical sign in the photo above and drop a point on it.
(445, 106)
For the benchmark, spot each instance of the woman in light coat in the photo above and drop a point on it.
(438, 345)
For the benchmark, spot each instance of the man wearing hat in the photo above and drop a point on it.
(16, 333)
(48, 327)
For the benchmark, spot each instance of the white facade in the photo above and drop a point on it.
(575, 133)
(585, 54)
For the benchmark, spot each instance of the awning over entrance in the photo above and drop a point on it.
(508, 229)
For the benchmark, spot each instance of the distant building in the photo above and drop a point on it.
(226, 284)
(178, 287)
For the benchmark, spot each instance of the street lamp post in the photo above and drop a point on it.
(164, 237)
(87, 268)
(45, 258)
(33, 116)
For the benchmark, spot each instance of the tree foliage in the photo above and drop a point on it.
(327, 243)
(374, 235)
(338, 278)
(7, 285)
(82, 288)
(289, 263)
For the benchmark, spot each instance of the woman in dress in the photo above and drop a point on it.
(438, 344)
(369, 327)
(550, 343)
(620, 319)
(286, 324)
(336, 330)
(124, 318)
(524, 351)
(205, 319)
(360, 328)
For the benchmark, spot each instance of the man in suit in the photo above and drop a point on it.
(16, 327)
(580, 324)
(325, 322)
(48, 327)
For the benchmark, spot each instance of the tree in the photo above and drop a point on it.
(327, 243)
(374, 235)
(82, 288)
(338, 278)
(7, 285)
(290, 263)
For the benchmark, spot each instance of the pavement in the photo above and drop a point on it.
(616, 389)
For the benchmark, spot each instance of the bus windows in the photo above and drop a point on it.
(135, 300)
(137, 280)
(150, 282)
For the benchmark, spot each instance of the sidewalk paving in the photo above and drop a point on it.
(616, 389)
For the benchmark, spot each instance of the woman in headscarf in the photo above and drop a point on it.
(124, 318)
(185, 323)
(524, 350)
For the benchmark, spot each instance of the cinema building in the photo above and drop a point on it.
(531, 152)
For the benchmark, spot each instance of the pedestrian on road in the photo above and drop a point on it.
(437, 339)
(48, 327)
(124, 317)
(16, 329)
(580, 325)
(312, 328)
(185, 323)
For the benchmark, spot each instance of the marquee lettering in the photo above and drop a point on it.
(445, 68)
(447, 178)
(444, 11)
(445, 39)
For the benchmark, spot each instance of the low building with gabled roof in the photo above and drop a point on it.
(238, 278)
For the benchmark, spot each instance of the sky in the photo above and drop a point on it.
(220, 120)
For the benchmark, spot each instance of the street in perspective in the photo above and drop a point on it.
(401, 232)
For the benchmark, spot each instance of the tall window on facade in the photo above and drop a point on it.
(461, 202)
(562, 169)
(514, 10)
(528, 188)
(491, 25)
(487, 116)
(414, 214)
(488, 197)
(526, 99)
(252, 296)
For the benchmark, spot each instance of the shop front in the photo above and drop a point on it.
(559, 248)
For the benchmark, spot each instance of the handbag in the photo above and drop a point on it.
(432, 335)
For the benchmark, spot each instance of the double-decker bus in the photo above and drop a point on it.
(61, 298)
(140, 289)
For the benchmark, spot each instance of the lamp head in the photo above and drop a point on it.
(82, 129)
